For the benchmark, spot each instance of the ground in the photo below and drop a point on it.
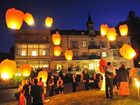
(92, 97)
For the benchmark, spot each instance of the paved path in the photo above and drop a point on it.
(7, 95)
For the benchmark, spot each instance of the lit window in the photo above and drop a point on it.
(84, 44)
(104, 54)
(23, 53)
(34, 53)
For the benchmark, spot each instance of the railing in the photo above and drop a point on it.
(93, 47)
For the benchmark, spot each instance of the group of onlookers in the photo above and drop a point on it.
(32, 92)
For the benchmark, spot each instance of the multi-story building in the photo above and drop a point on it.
(35, 47)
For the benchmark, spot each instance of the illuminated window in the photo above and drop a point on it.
(104, 54)
(34, 53)
(23, 53)
(84, 44)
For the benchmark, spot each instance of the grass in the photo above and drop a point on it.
(92, 97)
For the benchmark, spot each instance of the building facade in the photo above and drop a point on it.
(35, 47)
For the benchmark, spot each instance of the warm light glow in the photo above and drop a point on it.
(48, 22)
(56, 38)
(102, 65)
(111, 34)
(28, 18)
(57, 50)
(127, 52)
(137, 83)
(23, 53)
(14, 18)
(7, 69)
(123, 30)
(68, 55)
(43, 75)
(25, 70)
(5, 75)
(34, 53)
(103, 29)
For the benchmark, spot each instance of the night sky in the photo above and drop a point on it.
(67, 14)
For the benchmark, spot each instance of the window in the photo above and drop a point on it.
(84, 44)
(104, 54)
(103, 44)
(74, 44)
(115, 53)
(119, 43)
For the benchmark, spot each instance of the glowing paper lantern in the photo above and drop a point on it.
(57, 50)
(25, 70)
(103, 29)
(43, 75)
(28, 18)
(56, 38)
(111, 34)
(48, 21)
(7, 69)
(68, 55)
(14, 18)
(123, 30)
(102, 65)
(127, 52)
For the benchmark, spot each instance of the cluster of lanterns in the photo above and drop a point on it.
(111, 32)
(15, 18)
(126, 50)
(56, 38)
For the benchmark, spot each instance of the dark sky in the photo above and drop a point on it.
(67, 14)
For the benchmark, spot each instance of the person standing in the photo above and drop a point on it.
(41, 83)
(74, 82)
(109, 74)
(36, 93)
(26, 92)
(123, 78)
(86, 80)
(60, 85)
(51, 85)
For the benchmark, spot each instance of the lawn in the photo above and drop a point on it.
(92, 97)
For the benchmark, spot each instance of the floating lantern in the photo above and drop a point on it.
(103, 29)
(68, 55)
(111, 34)
(28, 18)
(25, 70)
(127, 52)
(102, 65)
(7, 69)
(48, 22)
(57, 50)
(43, 75)
(123, 30)
(56, 38)
(14, 18)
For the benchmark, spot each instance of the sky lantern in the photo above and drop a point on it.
(57, 50)
(14, 18)
(111, 34)
(123, 30)
(29, 19)
(44, 75)
(25, 70)
(49, 21)
(103, 29)
(102, 65)
(56, 38)
(7, 69)
(68, 55)
(127, 52)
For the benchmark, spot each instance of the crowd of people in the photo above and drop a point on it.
(33, 91)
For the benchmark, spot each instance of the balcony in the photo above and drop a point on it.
(74, 47)
(93, 47)
(94, 56)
